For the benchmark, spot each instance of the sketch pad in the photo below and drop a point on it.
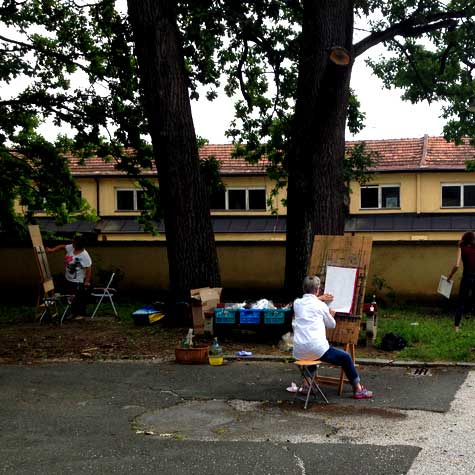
(341, 283)
(445, 286)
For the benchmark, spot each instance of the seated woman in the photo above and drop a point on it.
(312, 316)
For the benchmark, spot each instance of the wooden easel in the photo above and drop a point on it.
(47, 301)
(343, 251)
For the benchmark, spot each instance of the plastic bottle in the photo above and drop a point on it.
(215, 353)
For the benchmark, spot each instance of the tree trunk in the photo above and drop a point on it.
(192, 258)
(316, 188)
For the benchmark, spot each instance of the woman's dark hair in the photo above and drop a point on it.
(79, 242)
(468, 239)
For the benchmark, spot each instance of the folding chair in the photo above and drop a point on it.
(309, 380)
(52, 302)
(101, 292)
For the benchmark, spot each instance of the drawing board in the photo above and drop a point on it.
(341, 283)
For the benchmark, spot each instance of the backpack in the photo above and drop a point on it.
(393, 342)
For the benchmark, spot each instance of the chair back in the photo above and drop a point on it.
(110, 281)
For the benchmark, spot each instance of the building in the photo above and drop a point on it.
(419, 200)
(419, 190)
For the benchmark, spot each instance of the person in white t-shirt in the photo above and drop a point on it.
(77, 271)
(312, 317)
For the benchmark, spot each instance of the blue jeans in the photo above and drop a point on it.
(343, 359)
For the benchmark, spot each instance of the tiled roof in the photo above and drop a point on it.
(222, 153)
(412, 154)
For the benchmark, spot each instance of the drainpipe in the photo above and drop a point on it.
(98, 211)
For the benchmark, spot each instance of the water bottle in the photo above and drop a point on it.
(215, 353)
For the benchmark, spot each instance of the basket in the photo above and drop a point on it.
(224, 316)
(196, 355)
(250, 317)
(275, 316)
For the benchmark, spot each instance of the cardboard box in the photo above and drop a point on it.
(203, 301)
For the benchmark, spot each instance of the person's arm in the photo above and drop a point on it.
(328, 319)
(87, 276)
(457, 264)
(55, 248)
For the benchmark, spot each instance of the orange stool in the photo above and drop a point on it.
(309, 379)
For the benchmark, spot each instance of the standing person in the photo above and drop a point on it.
(312, 316)
(77, 271)
(466, 254)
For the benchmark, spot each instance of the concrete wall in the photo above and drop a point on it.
(401, 270)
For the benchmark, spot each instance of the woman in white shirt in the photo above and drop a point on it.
(77, 270)
(312, 317)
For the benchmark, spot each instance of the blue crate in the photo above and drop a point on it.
(275, 316)
(250, 317)
(224, 316)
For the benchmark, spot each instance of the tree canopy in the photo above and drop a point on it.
(77, 65)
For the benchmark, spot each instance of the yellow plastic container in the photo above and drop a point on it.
(216, 360)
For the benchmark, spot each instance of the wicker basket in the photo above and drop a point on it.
(196, 355)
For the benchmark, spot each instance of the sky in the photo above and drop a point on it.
(387, 115)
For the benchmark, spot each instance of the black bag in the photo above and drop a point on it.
(393, 342)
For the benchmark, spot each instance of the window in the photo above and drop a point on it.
(380, 196)
(129, 200)
(458, 195)
(249, 199)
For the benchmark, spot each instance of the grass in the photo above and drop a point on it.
(428, 331)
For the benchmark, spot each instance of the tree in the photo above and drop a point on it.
(64, 43)
(190, 239)
(301, 126)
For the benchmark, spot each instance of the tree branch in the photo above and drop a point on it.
(413, 26)
(414, 68)
(63, 57)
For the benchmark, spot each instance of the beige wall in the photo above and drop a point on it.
(407, 270)
(108, 186)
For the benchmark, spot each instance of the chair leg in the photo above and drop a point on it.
(97, 306)
(113, 307)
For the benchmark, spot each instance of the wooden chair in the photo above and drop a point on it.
(309, 371)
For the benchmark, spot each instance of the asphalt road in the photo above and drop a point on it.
(145, 417)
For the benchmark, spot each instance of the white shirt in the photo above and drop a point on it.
(75, 265)
(312, 316)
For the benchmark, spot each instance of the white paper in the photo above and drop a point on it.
(341, 282)
(445, 286)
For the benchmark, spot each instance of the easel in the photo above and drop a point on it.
(47, 302)
(343, 251)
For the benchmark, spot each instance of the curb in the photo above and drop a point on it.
(361, 361)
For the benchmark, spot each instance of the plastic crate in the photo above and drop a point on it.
(224, 316)
(250, 317)
(275, 316)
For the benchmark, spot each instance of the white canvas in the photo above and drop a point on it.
(445, 286)
(341, 282)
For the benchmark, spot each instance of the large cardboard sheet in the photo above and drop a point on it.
(341, 283)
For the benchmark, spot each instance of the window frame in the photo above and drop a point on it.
(380, 195)
(246, 190)
(135, 199)
(462, 195)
